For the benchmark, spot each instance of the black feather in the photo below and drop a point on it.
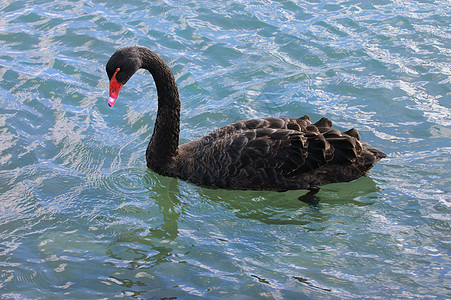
(261, 154)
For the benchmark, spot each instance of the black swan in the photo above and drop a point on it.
(259, 154)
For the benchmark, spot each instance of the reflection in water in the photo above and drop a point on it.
(146, 233)
(285, 208)
(308, 283)
(151, 235)
(170, 208)
(155, 223)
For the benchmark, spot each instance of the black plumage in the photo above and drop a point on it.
(259, 154)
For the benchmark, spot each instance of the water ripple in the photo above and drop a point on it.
(78, 206)
(127, 181)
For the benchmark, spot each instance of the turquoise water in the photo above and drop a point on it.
(82, 217)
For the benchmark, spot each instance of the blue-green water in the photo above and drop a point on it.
(82, 217)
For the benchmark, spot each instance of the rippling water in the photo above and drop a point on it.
(82, 217)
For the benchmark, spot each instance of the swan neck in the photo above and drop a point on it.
(165, 139)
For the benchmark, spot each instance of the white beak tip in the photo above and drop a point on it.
(111, 101)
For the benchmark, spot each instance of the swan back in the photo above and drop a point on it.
(274, 154)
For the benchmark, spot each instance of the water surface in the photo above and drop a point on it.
(82, 217)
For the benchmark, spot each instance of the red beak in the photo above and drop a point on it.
(115, 87)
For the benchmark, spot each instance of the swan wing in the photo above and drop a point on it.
(272, 153)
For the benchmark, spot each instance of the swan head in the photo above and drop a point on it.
(120, 68)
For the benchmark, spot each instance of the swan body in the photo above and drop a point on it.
(259, 154)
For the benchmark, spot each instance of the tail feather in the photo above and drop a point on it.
(377, 153)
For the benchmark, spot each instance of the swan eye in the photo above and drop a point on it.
(116, 71)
